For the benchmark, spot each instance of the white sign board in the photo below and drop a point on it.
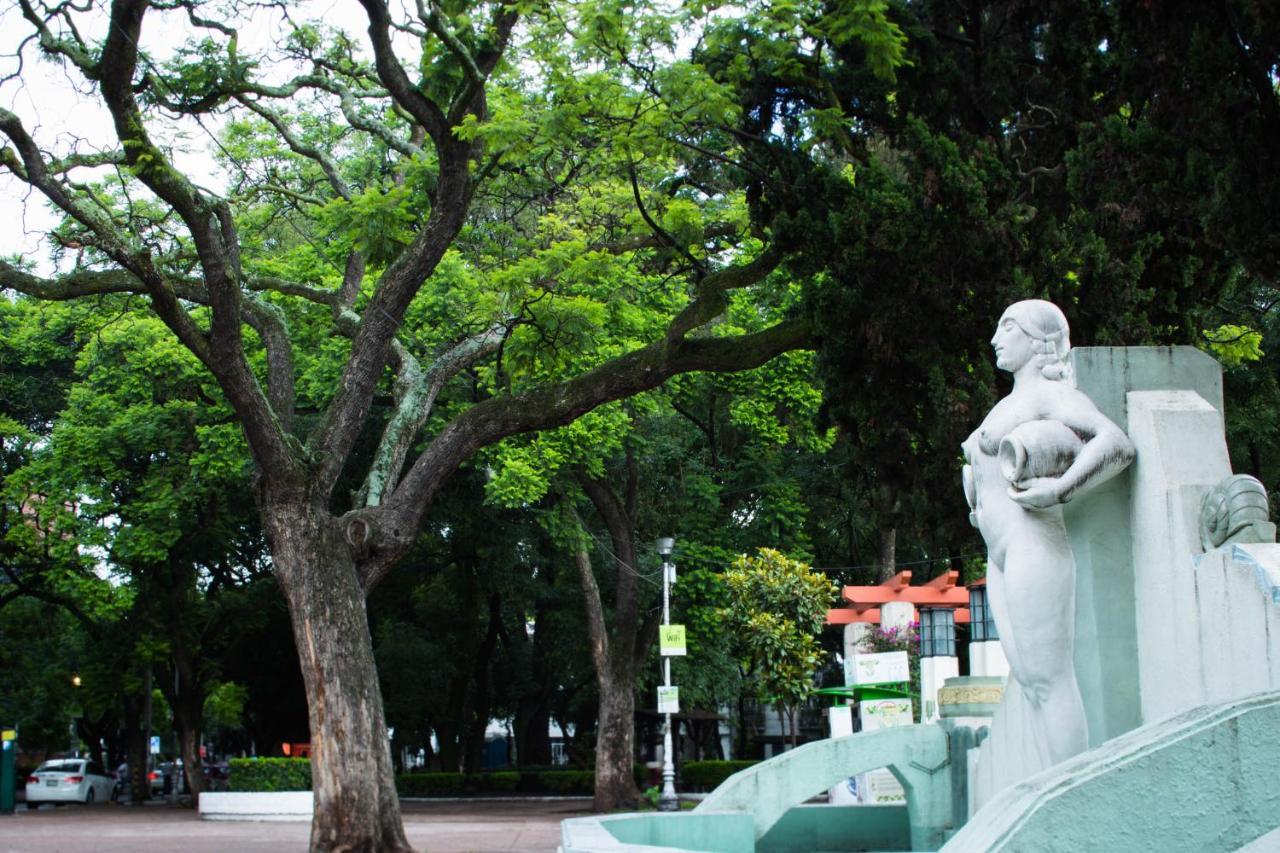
(879, 668)
(668, 700)
(879, 787)
(671, 640)
(155, 744)
(884, 713)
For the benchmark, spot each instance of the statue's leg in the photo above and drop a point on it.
(1039, 581)
(997, 599)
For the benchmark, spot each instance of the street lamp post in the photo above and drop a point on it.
(667, 800)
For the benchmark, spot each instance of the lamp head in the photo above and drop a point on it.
(666, 545)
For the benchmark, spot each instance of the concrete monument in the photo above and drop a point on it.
(1042, 445)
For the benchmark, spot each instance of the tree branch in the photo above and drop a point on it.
(209, 224)
(415, 392)
(492, 420)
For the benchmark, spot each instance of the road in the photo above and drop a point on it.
(438, 826)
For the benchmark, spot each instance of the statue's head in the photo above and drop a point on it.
(1047, 334)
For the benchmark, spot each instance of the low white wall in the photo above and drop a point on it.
(258, 805)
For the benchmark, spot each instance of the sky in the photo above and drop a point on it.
(60, 109)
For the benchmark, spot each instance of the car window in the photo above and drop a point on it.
(60, 767)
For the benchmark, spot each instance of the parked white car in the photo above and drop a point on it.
(68, 780)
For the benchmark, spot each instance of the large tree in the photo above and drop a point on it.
(1117, 158)
(386, 153)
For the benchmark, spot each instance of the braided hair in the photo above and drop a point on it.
(1046, 326)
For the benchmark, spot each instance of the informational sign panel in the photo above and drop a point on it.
(879, 787)
(884, 713)
(879, 668)
(155, 744)
(668, 700)
(671, 641)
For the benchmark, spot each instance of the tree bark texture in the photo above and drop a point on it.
(886, 553)
(615, 743)
(356, 806)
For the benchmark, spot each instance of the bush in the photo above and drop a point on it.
(566, 781)
(502, 781)
(270, 774)
(707, 775)
(429, 784)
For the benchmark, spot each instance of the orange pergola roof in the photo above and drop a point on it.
(864, 601)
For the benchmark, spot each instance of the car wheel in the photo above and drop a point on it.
(88, 798)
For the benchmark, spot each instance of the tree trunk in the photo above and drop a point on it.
(886, 554)
(192, 763)
(482, 696)
(533, 735)
(135, 740)
(615, 751)
(187, 702)
(356, 807)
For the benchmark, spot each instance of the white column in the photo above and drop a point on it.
(987, 658)
(897, 614)
(934, 671)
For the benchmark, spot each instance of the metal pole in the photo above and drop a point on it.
(667, 801)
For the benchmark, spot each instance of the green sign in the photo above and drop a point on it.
(8, 734)
(668, 700)
(671, 641)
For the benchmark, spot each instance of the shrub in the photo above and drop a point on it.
(502, 781)
(429, 784)
(270, 774)
(707, 775)
(559, 782)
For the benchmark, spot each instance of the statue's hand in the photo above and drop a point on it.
(1036, 493)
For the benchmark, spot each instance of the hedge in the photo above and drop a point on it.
(294, 774)
(707, 775)
(269, 774)
(562, 782)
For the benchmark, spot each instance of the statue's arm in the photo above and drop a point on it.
(1106, 452)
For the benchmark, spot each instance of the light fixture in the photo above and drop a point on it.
(937, 632)
(666, 545)
(982, 622)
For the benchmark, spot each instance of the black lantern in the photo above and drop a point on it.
(937, 632)
(982, 622)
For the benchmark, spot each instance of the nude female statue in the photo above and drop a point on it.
(1039, 447)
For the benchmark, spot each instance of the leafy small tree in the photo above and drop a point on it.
(777, 607)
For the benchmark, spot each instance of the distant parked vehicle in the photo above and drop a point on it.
(217, 776)
(171, 774)
(121, 791)
(68, 780)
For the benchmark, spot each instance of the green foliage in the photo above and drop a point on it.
(560, 782)
(1234, 345)
(777, 608)
(708, 775)
(499, 782)
(431, 784)
(224, 705)
(270, 774)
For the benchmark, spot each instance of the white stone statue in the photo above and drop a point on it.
(1041, 446)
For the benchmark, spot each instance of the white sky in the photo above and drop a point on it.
(58, 107)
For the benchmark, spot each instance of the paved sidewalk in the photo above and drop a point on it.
(438, 827)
